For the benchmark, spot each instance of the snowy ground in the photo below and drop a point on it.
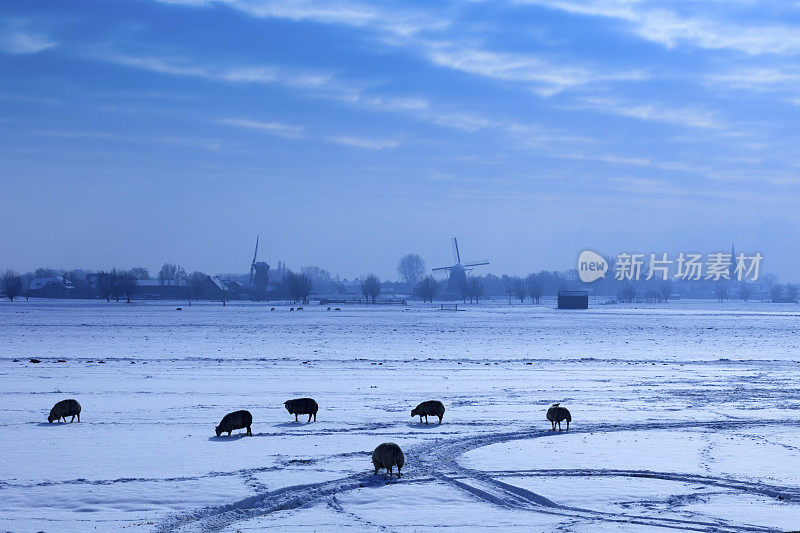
(686, 416)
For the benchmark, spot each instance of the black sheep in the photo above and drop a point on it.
(235, 420)
(556, 414)
(432, 408)
(63, 409)
(302, 406)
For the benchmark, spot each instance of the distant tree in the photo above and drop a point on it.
(745, 292)
(298, 286)
(45, 272)
(474, 288)
(776, 292)
(114, 284)
(104, 285)
(196, 281)
(627, 293)
(140, 272)
(168, 273)
(721, 290)
(535, 288)
(370, 286)
(665, 289)
(520, 292)
(11, 284)
(317, 274)
(126, 280)
(411, 269)
(428, 288)
(791, 292)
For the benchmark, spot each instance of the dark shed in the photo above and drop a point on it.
(573, 299)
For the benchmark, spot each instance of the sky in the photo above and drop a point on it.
(346, 134)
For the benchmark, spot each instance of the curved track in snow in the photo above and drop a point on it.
(438, 461)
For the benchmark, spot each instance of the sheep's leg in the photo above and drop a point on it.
(229, 432)
(426, 419)
(79, 417)
(249, 432)
(420, 419)
(315, 417)
(390, 471)
(309, 418)
(567, 425)
(295, 418)
(559, 425)
(398, 472)
(440, 419)
(73, 419)
(376, 471)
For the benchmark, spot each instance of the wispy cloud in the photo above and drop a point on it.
(546, 76)
(23, 42)
(360, 142)
(683, 116)
(703, 30)
(276, 128)
(260, 74)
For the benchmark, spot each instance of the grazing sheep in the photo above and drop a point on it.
(432, 407)
(302, 406)
(386, 456)
(291, 309)
(299, 308)
(556, 414)
(63, 409)
(179, 309)
(337, 309)
(329, 309)
(271, 308)
(235, 420)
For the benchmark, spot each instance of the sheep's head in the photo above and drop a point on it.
(555, 405)
(218, 430)
(414, 412)
(50, 418)
(288, 405)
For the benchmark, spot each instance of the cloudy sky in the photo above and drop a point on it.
(348, 133)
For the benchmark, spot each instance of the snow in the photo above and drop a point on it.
(685, 415)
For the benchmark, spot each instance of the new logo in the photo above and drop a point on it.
(591, 266)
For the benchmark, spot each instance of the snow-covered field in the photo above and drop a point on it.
(685, 416)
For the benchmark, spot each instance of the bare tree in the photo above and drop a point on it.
(475, 289)
(535, 288)
(114, 285)
(196, 281)
(140, 272)
(428, 288)
(44, 272)
(411, 268)
(776, 292)
(168, 273)
(745, 292)
(370, 286)
(298, 286)
(126, 280)
(721, 291)
(11, 284)
(665, 288)
(520, 292)
(791, 292)
(104, 285)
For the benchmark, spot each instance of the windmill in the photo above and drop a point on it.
(459, 271)
(260, 271)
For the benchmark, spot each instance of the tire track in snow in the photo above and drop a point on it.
(438, 460)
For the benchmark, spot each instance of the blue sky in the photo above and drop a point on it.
(348, 133)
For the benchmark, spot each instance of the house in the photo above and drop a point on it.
(154, 289)
(54, 287)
